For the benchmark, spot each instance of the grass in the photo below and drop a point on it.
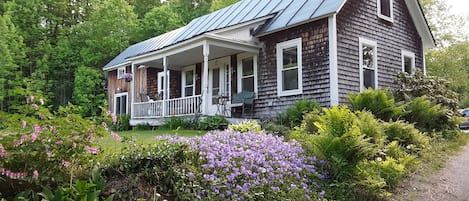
(141, 137)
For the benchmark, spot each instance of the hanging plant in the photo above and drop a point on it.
(127, 77)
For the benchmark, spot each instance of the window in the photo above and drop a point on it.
(120, 72)
(188, 81)
(289, 68)
(368, 64)
(247, 73)
(408, 62)
(161, 84)
(385, 10)
(215, 85)
(120, 103)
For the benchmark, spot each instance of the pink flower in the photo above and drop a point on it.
(42, 117)
(21, 141)
(65, 163)
(2, 151)
(108, 113)
(59, 142)
(74, 145)
(34, 105)
(23, 124)
(35, 174)
(34, 137)
(41, 101)
(31, 98)
(116, 136)
(114, 118)
(92, 150)
(48, 152)
(37, 128)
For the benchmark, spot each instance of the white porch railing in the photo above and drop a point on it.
(174, 107)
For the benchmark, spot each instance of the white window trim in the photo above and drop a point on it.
(183, 80)
(239, 72)
(127, 101)
(161, 76)
(363, 41)
(283, 45)
(384, 17)
(121, 72)
(411, 55)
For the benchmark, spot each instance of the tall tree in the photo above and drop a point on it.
(88, 92)
(158, 21)
(219, 4)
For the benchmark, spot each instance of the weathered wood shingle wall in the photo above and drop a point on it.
(358, 18)
(315, 58)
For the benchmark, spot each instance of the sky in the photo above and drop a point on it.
(460, 7)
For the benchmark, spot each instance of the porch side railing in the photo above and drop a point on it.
(174, 107)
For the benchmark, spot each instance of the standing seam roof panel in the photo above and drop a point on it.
(305, 12)
(237, 11)
(240, 17)
(259, 8)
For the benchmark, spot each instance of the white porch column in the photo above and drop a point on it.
(132, 93)
(206, 52)
(165, 85)
(333, 63)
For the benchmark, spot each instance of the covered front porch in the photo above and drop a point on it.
(191, 78)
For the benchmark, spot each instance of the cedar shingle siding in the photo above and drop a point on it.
(315, 56)
(358, 18)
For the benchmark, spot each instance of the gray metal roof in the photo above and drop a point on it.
(288, 13)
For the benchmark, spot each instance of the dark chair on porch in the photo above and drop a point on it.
(244, 100)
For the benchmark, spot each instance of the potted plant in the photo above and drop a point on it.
(127, 77)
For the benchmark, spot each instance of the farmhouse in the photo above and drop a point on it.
(257, 57)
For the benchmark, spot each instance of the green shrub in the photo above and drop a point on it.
(213, 123)
(377, 174)
(122, 124)
(307, 124)
(378, 102)
(436, 89)
(407, 136)
(371, 127)
(142, 127)
(245, 126)
(429, 116)
(294, 115)
(275, 129)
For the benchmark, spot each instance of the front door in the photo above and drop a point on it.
(219, 80)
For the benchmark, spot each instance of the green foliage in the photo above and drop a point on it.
(142, 127)
(378, 102)
(159, 165)
(294, 114)
(88, 91)
(245, 126)
(213, 123)
(371, 127)
(122, 124)
(219, 4)
(275, 129)
(435, 89)
(157, 21)
(406, 135)
(178, 123)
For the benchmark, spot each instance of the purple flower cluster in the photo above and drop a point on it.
(240, 165)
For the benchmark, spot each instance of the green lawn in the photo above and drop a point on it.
(110, 145)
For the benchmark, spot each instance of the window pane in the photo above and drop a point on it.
(290, 57)
(118, 107)
(368, 78)
(248, 66)
(123, 104)
(189, 77)
(248, 84)
(290, 79)
(188, 91)
(216, 78)
(408, 65)
(367, 56)
(386, 8)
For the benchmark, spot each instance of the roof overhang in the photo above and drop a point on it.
(110, 68)
(421, 24)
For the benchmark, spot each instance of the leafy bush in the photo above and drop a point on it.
(251, 166)
(407, 136)
(375, 175)
(275, 129)
(46, 149)
(122, 124)
(294, 115)
(213, 123)
(378, 102)
(142, 127)
(429, 116)
(245, 126)
(175, 123)
(436, 89)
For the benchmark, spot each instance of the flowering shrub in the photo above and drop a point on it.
(245, 126)
(250, 166)
(46, 149)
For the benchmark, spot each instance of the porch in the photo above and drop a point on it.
(195, 79)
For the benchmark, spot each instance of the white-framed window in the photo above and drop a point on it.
(120, 103)
(289, 68)
(247, 72)
(120, 72)
(161, 84)
(408, 62)
(188, 81)
(385, 10)
(368, 55)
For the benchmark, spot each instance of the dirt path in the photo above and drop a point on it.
(449, 184)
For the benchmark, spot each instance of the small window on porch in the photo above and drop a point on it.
(289, 68)
(120, 103)
(120, 72)
(188, 81)
(408, 62)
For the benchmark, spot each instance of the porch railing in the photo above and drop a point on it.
(174, 107)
